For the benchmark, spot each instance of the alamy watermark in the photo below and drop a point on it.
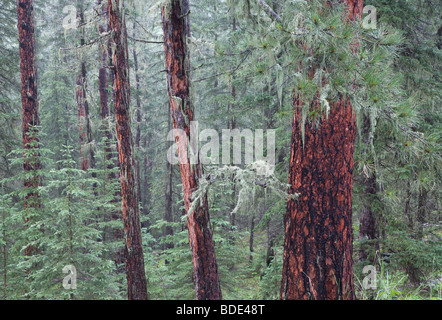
(70, 20)
(193, 151)
(369, 282)
(370, 21)
(70, 281)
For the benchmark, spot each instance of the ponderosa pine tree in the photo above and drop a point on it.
(136, 278)
(318, 245)
(30, 114)
(176, 28)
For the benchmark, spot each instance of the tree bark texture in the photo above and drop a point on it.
(318, 246)
(136, 279)
(30, 112)
(318, 226)
(176, 29)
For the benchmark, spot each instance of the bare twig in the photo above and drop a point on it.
(103, 35)
(145, 41)
(270, 11)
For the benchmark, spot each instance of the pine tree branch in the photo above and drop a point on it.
(103, 35)
(145, 41)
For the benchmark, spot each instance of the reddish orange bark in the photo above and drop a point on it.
(30, 114)
(318, 245)
(135, 273)
(176, 29)
(318, 226)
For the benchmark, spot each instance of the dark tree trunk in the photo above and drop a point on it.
(87, 157)
(317, 262)
(103, 80)
(136, 279)
(146, 167)
(367, 221)
(421, 211)
(176, 27)
(168, 217)
(368, 228)
(30, 113)
(407, 209)
(104, 55)
(252, 237)
(232, 125)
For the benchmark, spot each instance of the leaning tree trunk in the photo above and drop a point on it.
(30, 114)
(136, 278)
(317, 262)
(176, 29)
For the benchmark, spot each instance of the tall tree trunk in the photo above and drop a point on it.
(104, 54)
(103, 80)
(367, 221)
(232, 125)
(421, 211)
(146, 167)
(252, 236)
(136, 278)
(317, 262)
(30, 113)
(407, 210)
(138, 112)
(87, 157)
(176, 27)
(168, 231)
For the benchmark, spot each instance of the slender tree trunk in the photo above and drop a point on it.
(421, 211)
(136, 278)
(103, 81)
(29, 101)
(169, 192)
(146, 167)
(176, 27)
(252, 237)
(367, 220)
(318, 247)
(368, 228)
(105, 55)
(232, 125)
(407, 209)
(5, 255)
(87, 157)
(138, 112)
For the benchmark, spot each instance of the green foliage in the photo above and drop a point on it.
(246, 68)
(65, 229)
